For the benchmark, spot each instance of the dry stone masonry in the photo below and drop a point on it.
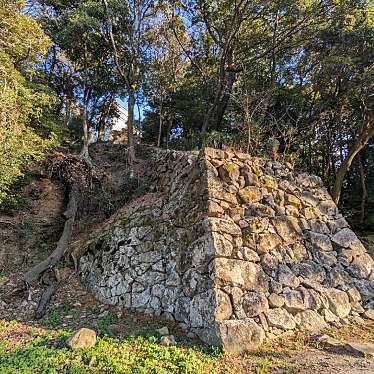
(236, 249)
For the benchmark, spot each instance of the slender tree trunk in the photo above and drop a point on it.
(363, 188)
(209, 116)
(342, 171)
(84, 151)
(168, 133)
(367, 132)
(160, 124)
(223, 102)
(130, 126)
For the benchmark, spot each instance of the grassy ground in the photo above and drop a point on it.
(34, 350)
(28, 350)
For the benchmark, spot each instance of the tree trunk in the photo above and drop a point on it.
(168, 133)
(84, 151)
(130, 126)
(363, 188)
(367, 132)
(342, 171)
(160, 125)
(223, 102)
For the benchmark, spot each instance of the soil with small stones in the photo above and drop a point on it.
(28, 235)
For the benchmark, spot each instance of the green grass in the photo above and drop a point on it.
(44, 352)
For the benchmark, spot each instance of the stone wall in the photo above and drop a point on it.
(236, 249)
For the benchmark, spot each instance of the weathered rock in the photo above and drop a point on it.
(292, 200)
(365, 349)
(257, 225)
(320, 242)
(254, 303)
(294, 301)
(244, 274)
(308, 198)
(286, 277)
(299, 251)
(345, 238)
(329, 316)
(276, 301)
(269, 182)
(310, 320)
(224, 226)
(280, 318)
(250, 178)
(310, 270)
(168, 340)
(259, 210)
(238, 336)
(223, 306)
(318, 226)
(250, 194)
(83, 338)
(353, 295)
(369, 314)
(287, 228)
(229, 172)
(267, 241)
(249, 254)
(361, 266)
(339, 302)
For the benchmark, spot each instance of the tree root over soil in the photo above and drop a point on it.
(78, 175)
(34, 274)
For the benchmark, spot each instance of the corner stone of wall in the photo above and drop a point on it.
(236, 249)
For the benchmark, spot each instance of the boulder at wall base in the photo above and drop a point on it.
(310, 320)
(83, 338)
(238, 336)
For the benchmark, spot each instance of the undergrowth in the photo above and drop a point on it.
(46, 353)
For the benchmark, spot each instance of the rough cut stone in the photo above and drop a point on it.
(339, 302)
(245, 274)
(223, 306)
(239, 336)
(276, 301)
(345, 238)
(294, 300)
(250, 194)
(254, 303)
(286, 277)
(281, 319)
(287, 228)
(310, 320)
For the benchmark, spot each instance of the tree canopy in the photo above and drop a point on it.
(293, 76)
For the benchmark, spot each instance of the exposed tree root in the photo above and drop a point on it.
(52, 286)
(34, 274)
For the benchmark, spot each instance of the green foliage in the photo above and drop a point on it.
(134, 355)
(52, 319)
(103, 324)
(26, 107)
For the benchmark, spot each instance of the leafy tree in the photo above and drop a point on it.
(76, 29)
(26, 105)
